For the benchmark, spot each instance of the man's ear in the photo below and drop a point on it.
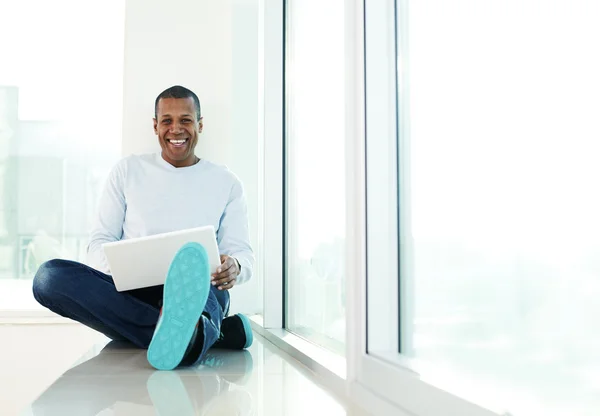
(200, 125)
(155, 126)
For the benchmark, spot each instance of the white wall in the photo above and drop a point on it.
(210, 47)
(246, 136)
(185, 43)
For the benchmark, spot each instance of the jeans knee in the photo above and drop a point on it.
(46, 280)
(222, 297)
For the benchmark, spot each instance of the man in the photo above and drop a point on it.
(151, 194)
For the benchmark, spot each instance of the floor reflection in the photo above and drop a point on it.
(119, 381)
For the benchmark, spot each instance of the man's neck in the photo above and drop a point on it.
(190, 161)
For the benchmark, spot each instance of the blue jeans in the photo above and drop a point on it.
(78, 292)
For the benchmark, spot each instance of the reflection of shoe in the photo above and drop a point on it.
(169, 395)
(236, 333)
(233, 366)
(232, 361)
(185, 293)
(233, 402)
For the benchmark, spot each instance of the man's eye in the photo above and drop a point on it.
(167, 121)
(186, 120)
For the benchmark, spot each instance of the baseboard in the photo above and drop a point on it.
(330, 367)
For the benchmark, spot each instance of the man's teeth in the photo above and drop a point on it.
(177, 141)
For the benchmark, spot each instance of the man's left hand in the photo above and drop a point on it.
(227, 273)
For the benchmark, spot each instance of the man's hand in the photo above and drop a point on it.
(226, 274)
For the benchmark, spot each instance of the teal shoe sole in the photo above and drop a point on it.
(186, 290)
(247, 330)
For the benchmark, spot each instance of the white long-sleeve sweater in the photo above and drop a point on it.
(145, 195)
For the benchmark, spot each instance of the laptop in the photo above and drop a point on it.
(142, 262)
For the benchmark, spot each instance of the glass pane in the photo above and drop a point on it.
(504, 137)
(60, 127)
(381, 157)
(315, 184)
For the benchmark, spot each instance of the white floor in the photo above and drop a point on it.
(32, 357)
(17, 295)
(115, 379)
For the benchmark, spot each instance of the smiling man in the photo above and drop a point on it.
(151, 194)
(178, 123)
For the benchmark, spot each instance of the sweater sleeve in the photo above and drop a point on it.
(108, 225)
(232, 236)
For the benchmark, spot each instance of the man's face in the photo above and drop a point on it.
(177, 129)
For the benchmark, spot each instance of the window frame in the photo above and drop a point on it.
(371, 382)
(271, 325)
(273, 230)
(377, 379)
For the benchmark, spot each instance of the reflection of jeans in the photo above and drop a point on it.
(83, 294)
(115, 377)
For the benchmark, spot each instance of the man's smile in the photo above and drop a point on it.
(177, 142)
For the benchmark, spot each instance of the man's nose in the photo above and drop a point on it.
(176, 128)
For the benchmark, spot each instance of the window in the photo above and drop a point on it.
(315, 170)
(60, 126)
(494, 202)
(504, 209)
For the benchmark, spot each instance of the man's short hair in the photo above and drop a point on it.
(177, 91)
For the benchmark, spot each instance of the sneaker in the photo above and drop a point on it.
(236, 333)
(185, 294)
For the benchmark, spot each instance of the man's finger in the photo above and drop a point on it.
(218, 282)
(224, 267)
(228, 272)
(225, 276)
(224, 258)
(227, 285)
